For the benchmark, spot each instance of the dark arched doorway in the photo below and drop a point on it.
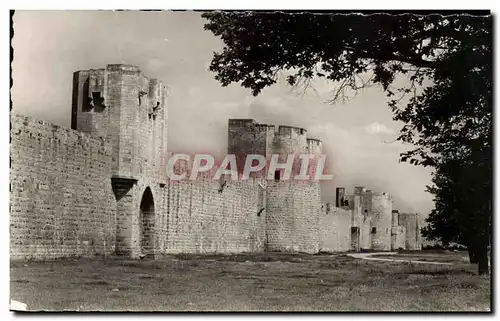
(147, 223)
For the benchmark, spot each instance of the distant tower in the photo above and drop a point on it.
(381, 222)
(371, 220)
(340, 197)
(410, 222)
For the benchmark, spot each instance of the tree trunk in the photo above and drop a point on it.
(482, 260)
(472, 254)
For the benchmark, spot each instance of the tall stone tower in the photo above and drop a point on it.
(410, 222)
(119, 103)
(381, 222)
(371, 220)
(292, 207)
(360, 202)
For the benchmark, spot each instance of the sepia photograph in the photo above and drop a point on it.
(251, 161)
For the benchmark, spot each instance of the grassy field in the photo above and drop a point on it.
(248, 282)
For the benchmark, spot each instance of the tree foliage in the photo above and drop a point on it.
(462, 190)
(445, 104)
(462, 196)
(454, 53)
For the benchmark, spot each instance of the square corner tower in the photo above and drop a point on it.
(119, 103)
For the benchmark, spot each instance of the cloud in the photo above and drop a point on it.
(376, 128)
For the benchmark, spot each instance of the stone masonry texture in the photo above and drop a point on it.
(381, 223)
(412, 236)
(335, 227)
(61, 202)
(101, 187)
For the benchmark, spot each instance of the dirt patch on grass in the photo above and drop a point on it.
(429, 257)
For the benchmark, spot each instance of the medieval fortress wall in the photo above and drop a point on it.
(100, 188)
(335, 227)
(61, 200)
(205, 216)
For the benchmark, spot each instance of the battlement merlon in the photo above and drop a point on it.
(265, 127)
(358, 190)
(361, 190)
(314, 145)
(241, 122)
(311, 140)
(123, 68)
(381, 194)
(111, 67)
(157, 92)
(288, 130)
(281, 130)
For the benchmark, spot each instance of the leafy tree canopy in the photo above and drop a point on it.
(462, 192)
(452, 115)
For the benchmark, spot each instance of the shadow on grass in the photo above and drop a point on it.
(96, 282)
(246, 257)
(434, 271)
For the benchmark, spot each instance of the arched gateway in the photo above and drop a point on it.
(147, 223)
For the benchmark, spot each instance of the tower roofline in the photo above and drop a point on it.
(113, 67)
(124, 67)
(242, 121)
(286, 129)
(314, 139)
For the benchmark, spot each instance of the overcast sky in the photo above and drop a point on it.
(172, 46)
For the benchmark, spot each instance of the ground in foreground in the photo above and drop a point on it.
(248, 282)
